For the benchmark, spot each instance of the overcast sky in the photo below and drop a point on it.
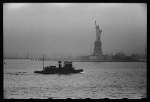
(70, 28)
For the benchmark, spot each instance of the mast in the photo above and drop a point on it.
(20, 55)
(91, 48)
(43, 61)
(27, 55)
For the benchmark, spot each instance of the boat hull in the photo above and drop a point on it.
(59, 72)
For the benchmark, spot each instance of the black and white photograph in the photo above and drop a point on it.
(74, 50)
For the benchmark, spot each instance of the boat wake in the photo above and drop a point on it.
(82, 72)
(17, 73)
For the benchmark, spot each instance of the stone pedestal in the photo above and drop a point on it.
(97, 48)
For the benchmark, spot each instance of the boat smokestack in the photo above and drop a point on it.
(59, 64)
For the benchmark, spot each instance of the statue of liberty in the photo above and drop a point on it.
(98, 32)
(98, 44)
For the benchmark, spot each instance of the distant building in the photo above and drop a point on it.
(142, 57)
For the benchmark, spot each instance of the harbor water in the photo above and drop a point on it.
(114, 80)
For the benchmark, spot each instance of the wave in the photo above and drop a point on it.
(17, 73)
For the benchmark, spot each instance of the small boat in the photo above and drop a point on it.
(66, 69)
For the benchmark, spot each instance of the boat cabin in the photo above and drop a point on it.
(66, 64)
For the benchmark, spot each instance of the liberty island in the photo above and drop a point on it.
(98, 56)
(97, 53)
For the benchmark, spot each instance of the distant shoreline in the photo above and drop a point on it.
(74, 60)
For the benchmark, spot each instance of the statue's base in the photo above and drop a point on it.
(97, 48)
(94, 57)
